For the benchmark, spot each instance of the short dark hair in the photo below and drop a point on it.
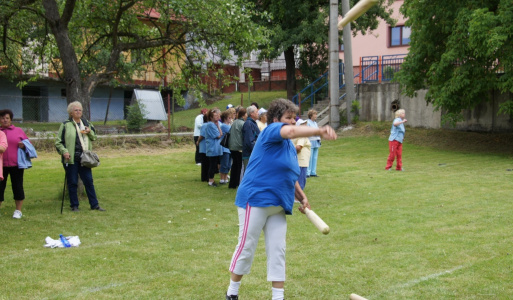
(255, 105)
(278, 108)
(4, 112)
(225, 115)
(241, 112)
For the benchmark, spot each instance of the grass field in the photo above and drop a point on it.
(439, 230)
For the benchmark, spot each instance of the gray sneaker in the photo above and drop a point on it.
(232, 297)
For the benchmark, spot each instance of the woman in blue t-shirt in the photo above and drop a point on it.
(266, 194)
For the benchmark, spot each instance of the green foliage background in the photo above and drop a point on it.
(461, 51)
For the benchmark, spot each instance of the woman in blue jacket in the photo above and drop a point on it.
(214, 151)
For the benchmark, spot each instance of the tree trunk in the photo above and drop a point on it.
(71, 73)
(290, 66)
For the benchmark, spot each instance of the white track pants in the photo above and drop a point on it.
(252, 221)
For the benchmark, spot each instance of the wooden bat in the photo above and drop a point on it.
(356, 297)
(357, 10)
(317, 221)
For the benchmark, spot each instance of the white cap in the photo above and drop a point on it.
(261, 111)
(300, 122)
(229, 106)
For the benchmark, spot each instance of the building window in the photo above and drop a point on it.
(341, 47)
(400, 36)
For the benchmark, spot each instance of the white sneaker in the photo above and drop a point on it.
(17, 214)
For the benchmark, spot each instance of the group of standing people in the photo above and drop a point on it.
(243, 126)
(75, 135)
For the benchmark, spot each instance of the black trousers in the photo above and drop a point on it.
(204, 166)
(236, 169)
(197, 156)
(16, 182)
(213, 166)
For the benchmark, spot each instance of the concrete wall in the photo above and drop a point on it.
(376, 105)
(485, 118)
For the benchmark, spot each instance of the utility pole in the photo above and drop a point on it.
(348, 63)
(333, 63)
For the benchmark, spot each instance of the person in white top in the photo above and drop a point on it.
(303, 148)
(198, 122)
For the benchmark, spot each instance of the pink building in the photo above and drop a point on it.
(380, 43)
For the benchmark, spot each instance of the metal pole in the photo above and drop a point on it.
(333, 62)
(168, 116)
(348, 63)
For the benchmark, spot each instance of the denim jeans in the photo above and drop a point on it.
(72, 173)
(226, 163)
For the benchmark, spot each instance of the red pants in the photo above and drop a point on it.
(396, 150)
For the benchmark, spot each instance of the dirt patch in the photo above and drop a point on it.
(443, 139)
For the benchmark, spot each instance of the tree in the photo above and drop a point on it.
(460, 51)
(92, 42)
(302, 26)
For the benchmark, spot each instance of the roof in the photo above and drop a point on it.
(152, 102)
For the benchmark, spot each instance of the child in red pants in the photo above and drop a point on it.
(395, 141)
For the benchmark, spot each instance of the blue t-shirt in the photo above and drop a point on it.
(225, 128)
(212, 140)
(203, 142)
(272, 172)
(397, 132)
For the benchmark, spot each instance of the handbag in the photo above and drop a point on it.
(89, 159)
(225, 140)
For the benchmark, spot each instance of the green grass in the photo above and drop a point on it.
(439, 230)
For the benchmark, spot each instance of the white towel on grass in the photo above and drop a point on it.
(74, 241)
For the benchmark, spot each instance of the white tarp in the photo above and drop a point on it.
(153, 104)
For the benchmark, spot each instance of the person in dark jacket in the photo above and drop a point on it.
(235, 144)
(75, 135)
(250, 134)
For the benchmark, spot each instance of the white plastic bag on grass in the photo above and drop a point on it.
(74, 241)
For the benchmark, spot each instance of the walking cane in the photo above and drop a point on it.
(64, 189)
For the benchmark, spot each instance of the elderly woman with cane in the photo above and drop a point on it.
(266, 195)
(75, 135)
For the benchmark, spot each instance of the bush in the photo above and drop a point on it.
(355, 110)
(135, 117)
